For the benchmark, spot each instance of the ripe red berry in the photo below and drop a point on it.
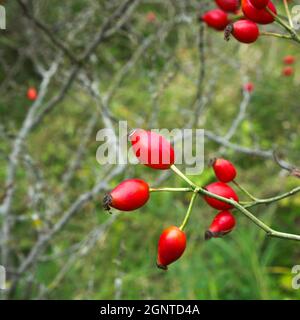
(249, 87)
(152, 149)
(32, 93)
(217, 19)
(129, 195)
(259, 4)
(289, 60)
(261, 16)
(222, 224)
(228, 5)
(223, 190)
(224, 170)
(287, 71)
(171, 246)
(245, 31)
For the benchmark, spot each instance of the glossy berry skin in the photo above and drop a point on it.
(224, 170)
(129, 195)
(261, 16)
(32, 94)
(228, 5)
(289, 60)
(223, 190)
(259, 4)
(287, 71)
(216, 19)
(249, 87)
(171, 246)
(222, 224)
(152, 149)
(245, 31)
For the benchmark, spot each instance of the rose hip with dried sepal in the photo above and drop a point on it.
(129, 195)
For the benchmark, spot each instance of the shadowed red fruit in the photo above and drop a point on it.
(289, 60)
(228, 5)
(287, 71)
(152, 149)
(249, 87)
(217, 19)
(151, 17)
(244, 31)
(224, 170)
(259, 4)
(222, 224)
(32, 93)
(129, 195)
(223, 190)
(171, 246)
(261, 16)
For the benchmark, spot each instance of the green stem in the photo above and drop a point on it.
(245, 191)
(188, 213)
(288, 13)
(171, 189)
(284, 25)
(183, 176)
(273, 199)
(277, 35)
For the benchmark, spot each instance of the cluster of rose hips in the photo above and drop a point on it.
(154, 151)
(245, 29)
(288, 70)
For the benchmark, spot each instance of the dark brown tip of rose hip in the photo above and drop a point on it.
(208, 235)
(160, 266)
(212, 162)
(107, 201)
(228, 31)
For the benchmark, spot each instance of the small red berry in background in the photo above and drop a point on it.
(171, 246)
(289, 59)
(32, 93)
(259, 4)
(152, 149)
(249, 87)
(259, 16)
(129, 195)
(217, 19)
(151, 17)
(244, 31)
(224, 170)
(223, 190)
(228, 5)
(222, 224)
(287, 71)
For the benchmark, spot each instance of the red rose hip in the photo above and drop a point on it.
(222, 224)
(216, 19)
(228, 5)
(261, 16)
(32, 93)
(289, 59)
(259, 4)
(223, 190)
(171, 246)
(129, 195)
(287, 71)
(224, 170)
(249, 87)
(244, 31)
(152, 149)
